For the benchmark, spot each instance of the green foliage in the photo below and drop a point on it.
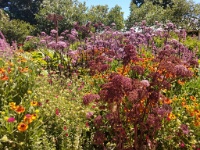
(17, 77)
(21, 9)
(98, 14)
(182, 13)
(116, 16)
(71, 11)
(148, 12)
(16, 30)
(3, 16)
(30, 44)
(193, 44)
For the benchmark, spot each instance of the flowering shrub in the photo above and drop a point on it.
(97, 88)
(17, 76)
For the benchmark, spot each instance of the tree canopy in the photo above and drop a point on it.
(21, 9)
(185, 14)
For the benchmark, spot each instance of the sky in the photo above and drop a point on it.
(111, 3)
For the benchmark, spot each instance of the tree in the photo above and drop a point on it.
(21, 9)
(3, 16)
(163, 3)
(138, 2)
(98, 13)
(148, 12)
(116, 16)
(183, 13)
(71, 11)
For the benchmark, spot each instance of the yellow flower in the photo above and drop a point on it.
(6, 118)
(34, 103)
(34, 116)
(12, 105)
(22, 127)
(37, 111)
(3, 112)
(172, 116)
(29, 92)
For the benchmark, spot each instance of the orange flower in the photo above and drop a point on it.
(167, 101)
(193, 98)
(34, 103)
(19, 109)
(22, 127)
(28, 118)
(2, 70)
(169, 75)
(24, 70)
(181, 82)
(4, 78)
(183, 103)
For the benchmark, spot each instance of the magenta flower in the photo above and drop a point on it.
(57, 111)
(11, 119)
(182, 145)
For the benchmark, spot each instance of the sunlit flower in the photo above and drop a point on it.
(28, 119)
(167, 101)
(171, 116)
(12, 105)
(11, 119)
(29, 92)
(22, 127)
(34, 116)
(37, 111)
(34, 103)
(193, 98)
(4, 78)
(181, 82)
(19, 109)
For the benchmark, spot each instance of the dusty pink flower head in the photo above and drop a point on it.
(11, 119)
(145, 83)
(89, 115)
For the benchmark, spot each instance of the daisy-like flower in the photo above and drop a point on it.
(193, 98)
(34, 116)
(28, 118)
(11, 119)
(34, 103)
(22, 127)
(12, 105)
(19, 109)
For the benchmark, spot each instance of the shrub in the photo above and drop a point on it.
(16, 30)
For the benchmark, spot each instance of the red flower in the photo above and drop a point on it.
(57, 111)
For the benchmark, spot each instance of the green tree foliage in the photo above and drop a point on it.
(101, 13)
(21, 9)
(183, 13)
(98, 13)
(3, 16)
(116, 16)
(148, 12)
(71, 11)
(163, 3)
(16, 30)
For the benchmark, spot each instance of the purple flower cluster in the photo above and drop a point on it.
(88, 98)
